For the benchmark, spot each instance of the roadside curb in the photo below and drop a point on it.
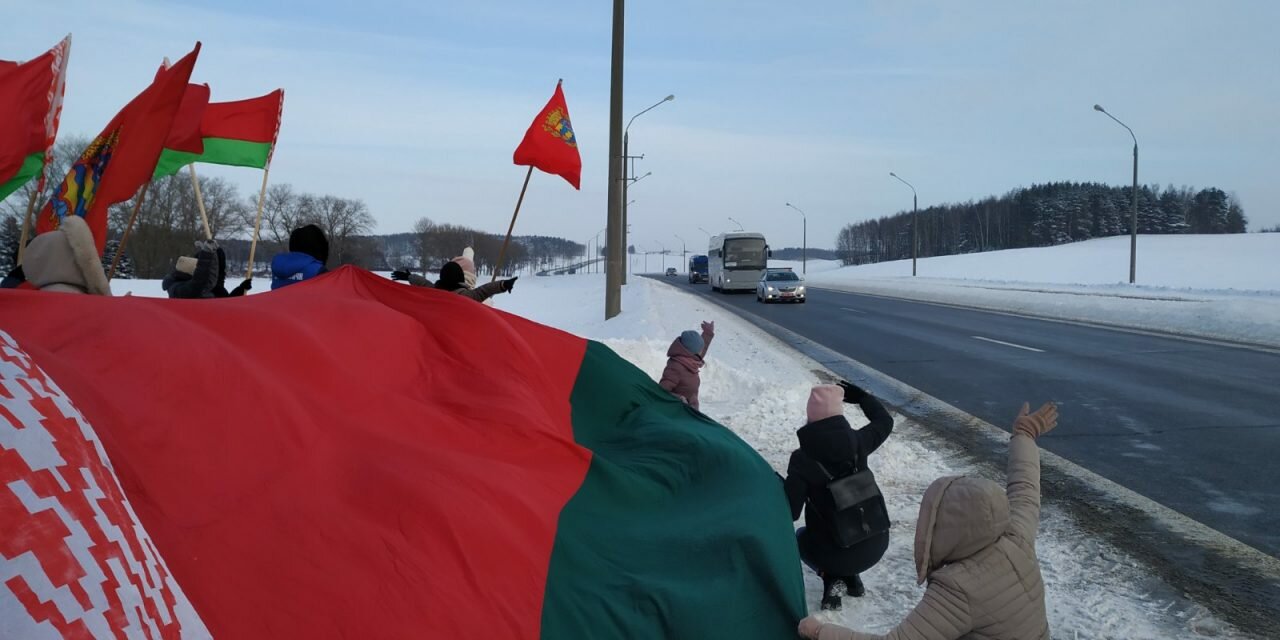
(1235, 581)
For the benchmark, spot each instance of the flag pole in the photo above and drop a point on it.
(26, 224)
(204, 217)
(137, 205)
(257, 223)
(503, 254)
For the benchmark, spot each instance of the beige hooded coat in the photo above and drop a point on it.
(66, 260)
(975, 546)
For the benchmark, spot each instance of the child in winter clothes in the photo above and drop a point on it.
(203, 276)
(66, 260)
(194, 277)
(453, 278)
(684, 358)
(975, 546)
(308, 253)
(830, 447)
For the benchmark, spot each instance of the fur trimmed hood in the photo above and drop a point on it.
(66, 259)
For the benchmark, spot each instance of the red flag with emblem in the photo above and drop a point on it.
(550, 144)
(122, 158)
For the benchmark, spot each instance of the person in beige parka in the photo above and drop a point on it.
(975, 545)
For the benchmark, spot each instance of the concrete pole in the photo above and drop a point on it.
(617, 240)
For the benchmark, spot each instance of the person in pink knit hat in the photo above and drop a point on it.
(846, 528)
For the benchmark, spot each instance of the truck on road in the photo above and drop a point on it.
(697, 269)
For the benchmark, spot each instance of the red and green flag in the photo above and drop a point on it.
(240, 133)
(122, 159)
(448, 470)
(30, 109)
(550, 143)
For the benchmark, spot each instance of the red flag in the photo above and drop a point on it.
(185, 134)
(550, 143)
(30, 108)
(122, 158)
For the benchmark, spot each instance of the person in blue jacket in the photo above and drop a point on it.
(307, 255)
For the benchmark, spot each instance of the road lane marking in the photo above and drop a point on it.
(861, 313)
(1007, 344)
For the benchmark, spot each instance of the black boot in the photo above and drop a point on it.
(855, 587)
(831, 589)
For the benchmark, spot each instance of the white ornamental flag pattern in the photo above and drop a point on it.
(74, 560)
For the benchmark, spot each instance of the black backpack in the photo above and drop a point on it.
(860, 511)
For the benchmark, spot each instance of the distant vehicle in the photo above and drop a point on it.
(780, 285)
(697, 269)
(736, 261)
(671, 271)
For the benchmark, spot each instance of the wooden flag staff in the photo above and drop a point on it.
(204, 217)
(26, 224)
(137, 205)
(257, 223)
(503, 254)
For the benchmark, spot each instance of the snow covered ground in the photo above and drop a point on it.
(758, 387)
(1213, 286)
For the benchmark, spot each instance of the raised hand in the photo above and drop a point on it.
(1036, 424)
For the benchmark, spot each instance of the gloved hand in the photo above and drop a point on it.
(708, 330)
(241, 289)
(508, 285)
(400, 274)
(207, 245)
(810, 627)
(1036, 424)
(852, 392)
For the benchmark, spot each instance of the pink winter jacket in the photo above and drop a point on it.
(681, 375)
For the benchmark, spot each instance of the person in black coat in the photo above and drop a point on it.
(194, 277)
(830, 447)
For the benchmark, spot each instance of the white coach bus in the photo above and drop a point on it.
(735, 261)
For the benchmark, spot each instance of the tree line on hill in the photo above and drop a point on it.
(168, 223)
(1038, 216)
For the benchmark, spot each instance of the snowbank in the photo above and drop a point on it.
(1214, 286)
(758, 387)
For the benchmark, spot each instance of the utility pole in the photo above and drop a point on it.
(616, 234)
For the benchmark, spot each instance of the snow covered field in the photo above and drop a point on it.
(1213, 286)
(758, 388)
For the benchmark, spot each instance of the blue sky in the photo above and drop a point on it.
(416, 106)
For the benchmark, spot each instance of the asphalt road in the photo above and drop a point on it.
(1191, 425)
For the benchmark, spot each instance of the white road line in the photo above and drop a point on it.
(1007, 344)
(859, 312)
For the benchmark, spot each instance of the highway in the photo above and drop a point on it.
(1190, 424)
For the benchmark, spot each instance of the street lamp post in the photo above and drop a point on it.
(596, 239)
(626, 158)
(915, 234)
(737, 223)
(662, 251)
(709, 234)
(684, 252)
(1133, 212)
(804, 240)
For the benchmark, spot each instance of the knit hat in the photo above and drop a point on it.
(187, 265)
(825, 401)
(467, 261)
(692, 341)
(311, 241)
(451, 277)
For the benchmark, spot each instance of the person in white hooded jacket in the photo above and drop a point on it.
(975, 545)
(66, 260)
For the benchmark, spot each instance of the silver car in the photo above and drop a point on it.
(782, 285)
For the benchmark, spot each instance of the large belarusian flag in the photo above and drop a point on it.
(354, 458)
(30, 108)
(241, 133)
